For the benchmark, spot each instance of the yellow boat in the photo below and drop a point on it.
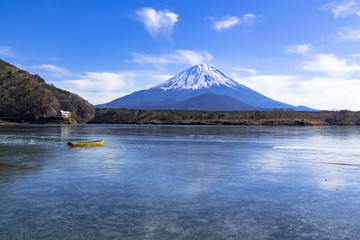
(86, 144)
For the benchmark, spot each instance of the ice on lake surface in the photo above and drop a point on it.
(179, 182)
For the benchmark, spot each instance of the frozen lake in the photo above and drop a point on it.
(179, 182)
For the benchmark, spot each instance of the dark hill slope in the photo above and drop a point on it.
(210, 102)
(28, 96)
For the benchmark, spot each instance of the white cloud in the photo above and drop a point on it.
(99, 87)
(344, 9)
(226, 22)
(323, 93)
(273, 86)
(102, 87)
(193, 57)
(181, 56)
(231, 21)
(330, 93)
(248, 19)
(302, 49)
(6, 51)
(52, 71)
(103, 81)
(157, 22)
(244, 69)
(336, 87)
(349, 34)
(328, 64)
(331, 65)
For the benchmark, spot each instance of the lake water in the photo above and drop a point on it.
(179, 182)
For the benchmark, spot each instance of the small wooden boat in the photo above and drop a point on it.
(86, 144)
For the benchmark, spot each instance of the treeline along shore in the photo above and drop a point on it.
(273, 117)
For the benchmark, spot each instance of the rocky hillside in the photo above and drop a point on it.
(23, 95)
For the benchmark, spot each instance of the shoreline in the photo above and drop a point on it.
(270, 122)
(244, 122)
(276, 117)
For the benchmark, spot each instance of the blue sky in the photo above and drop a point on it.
(299, 52)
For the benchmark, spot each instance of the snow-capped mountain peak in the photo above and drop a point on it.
(201, 87)
(198, 77)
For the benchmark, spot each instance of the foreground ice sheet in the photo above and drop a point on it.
(179, 182)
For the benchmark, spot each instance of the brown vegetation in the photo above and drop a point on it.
(273, 117)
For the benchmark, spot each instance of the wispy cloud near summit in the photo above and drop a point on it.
(180, 56)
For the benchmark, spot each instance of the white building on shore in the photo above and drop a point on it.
(64, 114)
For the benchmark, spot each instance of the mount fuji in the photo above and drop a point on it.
(201, 87)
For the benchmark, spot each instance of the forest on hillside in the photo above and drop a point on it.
(273, 117)
(27, 96)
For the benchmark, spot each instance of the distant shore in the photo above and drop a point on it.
(271, 118)
(276, 117)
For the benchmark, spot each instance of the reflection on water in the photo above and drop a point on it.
(179, 182)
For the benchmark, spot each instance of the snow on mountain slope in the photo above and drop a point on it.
(197, 77)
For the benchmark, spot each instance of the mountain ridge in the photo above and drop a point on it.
(195, 81)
